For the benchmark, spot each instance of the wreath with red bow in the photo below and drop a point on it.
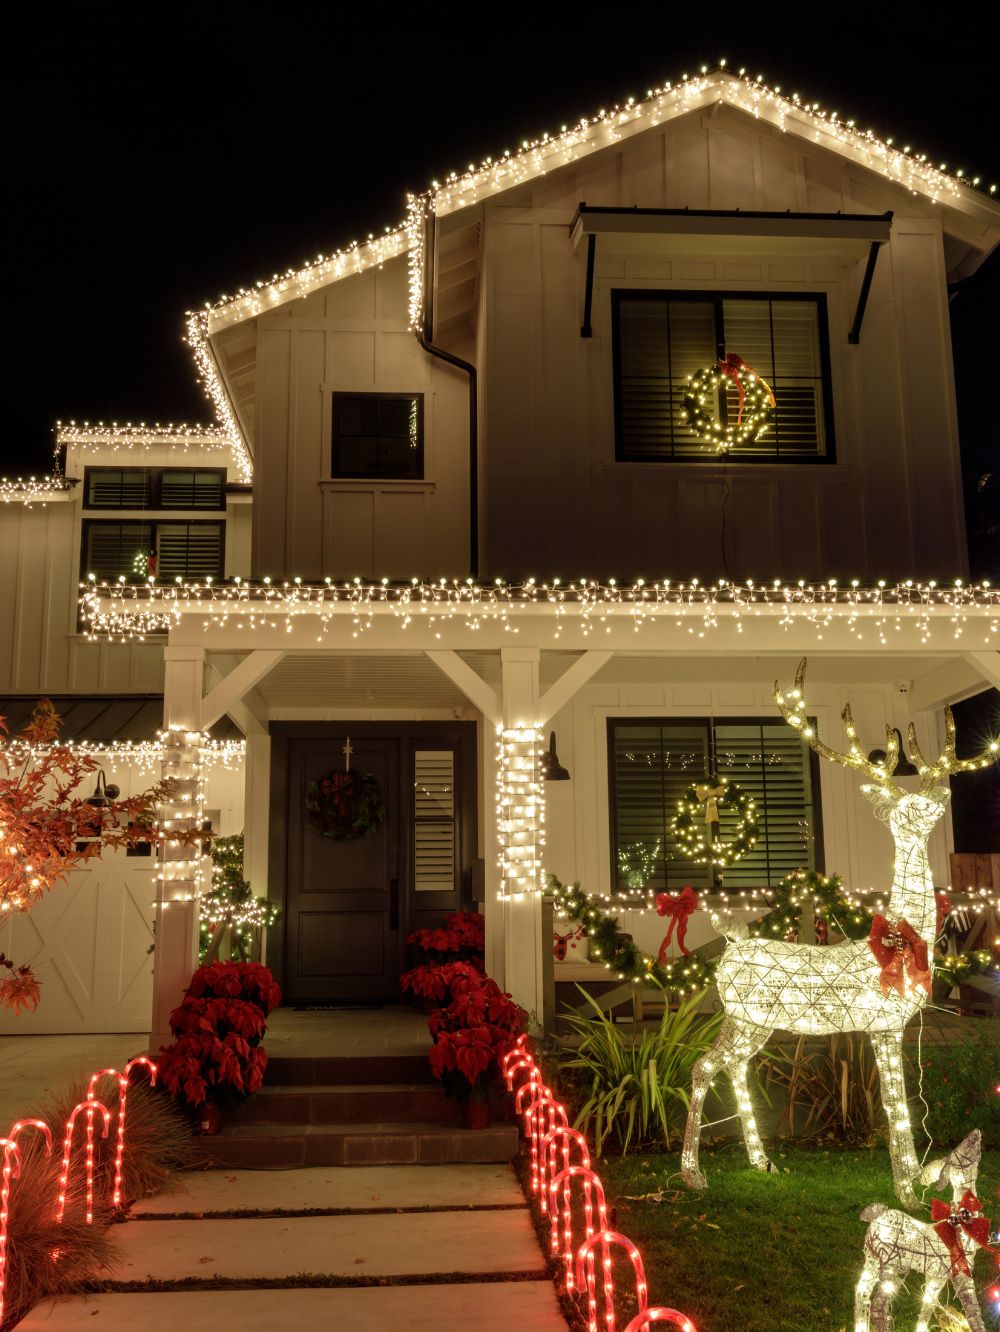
(756, 403)
(345, 805)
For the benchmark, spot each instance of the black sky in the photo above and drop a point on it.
(161, 155)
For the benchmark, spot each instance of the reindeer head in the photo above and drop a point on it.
(908, 813)
(959, 1169)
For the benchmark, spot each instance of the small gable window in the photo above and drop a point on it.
(661, 338)
(378, 435)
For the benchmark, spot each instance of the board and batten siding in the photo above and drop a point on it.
(890, 506)
(353, 337)
(856, 844)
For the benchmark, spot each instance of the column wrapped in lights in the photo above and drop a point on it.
(520, 811)
(183, 860)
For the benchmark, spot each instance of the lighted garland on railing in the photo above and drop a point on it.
(616, 950)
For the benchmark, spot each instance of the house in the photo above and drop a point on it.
(442, 513)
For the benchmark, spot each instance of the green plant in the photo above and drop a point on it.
(959, 1079)
(830, 1085)
(638, 1082)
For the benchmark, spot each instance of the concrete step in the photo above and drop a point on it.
(348, 1070)
(350, 1104)
(304, 1144)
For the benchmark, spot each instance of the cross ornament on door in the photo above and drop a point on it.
(347, 750)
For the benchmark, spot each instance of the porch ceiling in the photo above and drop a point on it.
(359, 680)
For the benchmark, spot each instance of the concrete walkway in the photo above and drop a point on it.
(379, 1247)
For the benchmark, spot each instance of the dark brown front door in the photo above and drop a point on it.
(342, 922)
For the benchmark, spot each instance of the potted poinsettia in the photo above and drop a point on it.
(471, 1036)
(216, 1059)
(445, 952)
(433, 984)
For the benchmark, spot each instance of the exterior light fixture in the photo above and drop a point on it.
(551, 769)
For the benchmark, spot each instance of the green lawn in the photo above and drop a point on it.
(765, 1253)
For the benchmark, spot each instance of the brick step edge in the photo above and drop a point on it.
(348, 1070)
(350, 1104)
(294, 1145)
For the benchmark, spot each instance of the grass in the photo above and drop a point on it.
(764, 1253)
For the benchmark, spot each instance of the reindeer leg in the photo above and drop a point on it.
(704, 1071)
(867, 1282)
(928, 1302)
(748, 1041)
(888, 1050)
(966, 1292)
(882, 1319)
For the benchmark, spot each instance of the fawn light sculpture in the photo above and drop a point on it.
(872, 985)
(897, 1244)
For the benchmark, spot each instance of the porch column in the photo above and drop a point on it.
(256, 816)
(179, 879)
(523, 836)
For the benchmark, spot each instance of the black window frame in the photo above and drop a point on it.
(338, 474)
(717, 885)
(153, 523)
(716, 298)
(154, 490)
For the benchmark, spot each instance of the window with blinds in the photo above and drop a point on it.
(180, 550)
(434, 837)
(155, 488)
(660, 338)
(652, 763)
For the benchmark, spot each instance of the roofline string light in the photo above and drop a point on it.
(85, 436)
(121, 611)
(141, 754)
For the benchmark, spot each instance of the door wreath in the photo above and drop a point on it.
(345, 805)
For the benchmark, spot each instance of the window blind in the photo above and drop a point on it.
(117, 488)
(189, 550)
(434, 820)
(111, 549)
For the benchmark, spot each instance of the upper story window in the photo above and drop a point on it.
(154, 488)
(661, 337)
(378, 435)
(164, 550)
(651, 764)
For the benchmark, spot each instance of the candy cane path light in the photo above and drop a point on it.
(591, 1186)
(660, 1315)
(767, 985)
(89, 1107)
(140, 1061)
(12, 1169)
(536, 1091)
(585, 1270)
(543, 1115)
(560, 1132)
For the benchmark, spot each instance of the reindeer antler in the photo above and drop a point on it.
(930, 773)
(792, 705)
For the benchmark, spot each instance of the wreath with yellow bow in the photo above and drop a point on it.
(697, 824)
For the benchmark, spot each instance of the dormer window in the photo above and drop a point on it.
(662, 337)
(378, 435)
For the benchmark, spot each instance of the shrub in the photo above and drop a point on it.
(638, 1083)
(959, 1084)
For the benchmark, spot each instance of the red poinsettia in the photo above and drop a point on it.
(462, 934)
(250, 981)
(472, 1034)
(435, 983)
(48, 827)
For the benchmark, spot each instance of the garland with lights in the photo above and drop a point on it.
(345, 805)
(756, 404)
(698, 815)
(618, 951)
(231, 904)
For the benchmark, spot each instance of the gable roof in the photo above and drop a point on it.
(787, 112)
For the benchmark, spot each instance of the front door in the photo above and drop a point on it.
(342, 925)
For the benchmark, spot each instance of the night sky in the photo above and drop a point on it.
(160, 156)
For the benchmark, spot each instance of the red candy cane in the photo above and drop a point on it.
(585, 1270)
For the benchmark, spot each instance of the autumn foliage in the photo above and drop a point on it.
(49, 827)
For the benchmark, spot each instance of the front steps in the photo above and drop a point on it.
(351, 1111)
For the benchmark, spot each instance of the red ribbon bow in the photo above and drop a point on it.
(733, 367)
(943, 904)
(679, 908)
(966, 1215)
(902, 955)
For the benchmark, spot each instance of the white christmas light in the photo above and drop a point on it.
(767, 985)
(520, 811)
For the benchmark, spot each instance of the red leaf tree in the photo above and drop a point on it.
(49, 827)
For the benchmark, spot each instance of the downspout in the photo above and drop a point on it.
(424, 333)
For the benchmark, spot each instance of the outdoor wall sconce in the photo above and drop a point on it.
(552, 770)
(904, 768)
(103, 793)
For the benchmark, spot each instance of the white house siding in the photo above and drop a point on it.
(88, 940)
(354, 336)
(889, 507)
(856, 845)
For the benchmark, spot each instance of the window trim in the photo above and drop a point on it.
(709, 722)
(337, 475)
(716, 297)
(165, 519)
(154, 490)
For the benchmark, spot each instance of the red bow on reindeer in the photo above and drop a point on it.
(678, 907)
(902, 955)
(966, 1215)
(733, 367)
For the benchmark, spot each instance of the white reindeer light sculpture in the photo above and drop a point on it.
(872, 985)
(941, 1249)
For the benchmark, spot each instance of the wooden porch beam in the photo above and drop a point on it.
(559, 694)
(473, 686)
(232, 688)
(988, 666)
(949, 682)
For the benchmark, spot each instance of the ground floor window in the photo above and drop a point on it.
(164, 550)
(653, 761)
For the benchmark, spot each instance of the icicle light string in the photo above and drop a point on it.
(122, 610)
